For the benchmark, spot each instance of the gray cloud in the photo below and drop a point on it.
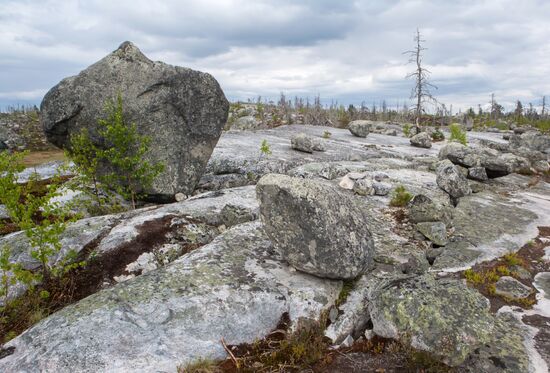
(346, 51)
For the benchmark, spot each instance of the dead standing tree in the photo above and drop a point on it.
(421, 91)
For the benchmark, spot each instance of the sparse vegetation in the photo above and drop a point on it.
(265, 148)
(457, 134)
(200, 366)
(437, 135)
(327, 134)
(400, 197)
(407, 130)
(119, 163)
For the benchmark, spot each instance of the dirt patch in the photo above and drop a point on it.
(37, 158)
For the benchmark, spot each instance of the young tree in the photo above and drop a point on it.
(124, 153)
(421, 91)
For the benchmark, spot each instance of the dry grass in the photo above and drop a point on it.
(40, 157)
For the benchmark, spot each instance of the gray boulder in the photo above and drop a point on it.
(434, 231)
(302, 142)
(423, 209)
(317, 228)
(452, 180)
(422, 140)
(248, 122)
(364, 187)
(533, 140)
(182, 110)
(477, 173)
(306, 143)
(509, 287)
(360, 128)
(446, 318)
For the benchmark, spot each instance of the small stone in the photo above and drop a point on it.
(423, 209)
(521, 272)
(541, 166)
(421, 140)
(381, 189)
(509, 287)
(380, 176)
(319, 145)
(346, 183)
(434, 231)
(333, 314)
(369, 334)
(360, 128)
(302, 142)
(364, 187)
(348, 342)
(180, 197)
(477, 173)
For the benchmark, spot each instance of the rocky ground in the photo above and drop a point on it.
(167, 282)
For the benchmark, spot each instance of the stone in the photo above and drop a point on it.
(234, 287)
(302, 142)
(319, 145)
(541, 166)
(381, 189)
(183, 112)
(422, 140)
(423, 209)
(444, 317)
(3, 146)
(364, 187)
(360, 128)
(317, 228)
(477, 173)
(451, 180)
(248, 122)
(509, 287)
(180, 197)
(434, 231)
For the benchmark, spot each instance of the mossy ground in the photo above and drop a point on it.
(484, 276)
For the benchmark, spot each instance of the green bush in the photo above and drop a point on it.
(33, 210)
(400, 197)
(407, 130)
(457, 134)
(437, 135)
(265, 149)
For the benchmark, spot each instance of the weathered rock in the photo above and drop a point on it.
(235, 288)
(509, 287)
(446, 318)
(422, 140)
(477, 173)
(533, 140)
(434, 231)
(451, 180)
(248, 122)
(302, 142)
(183, 112)
(381, 189)
(317, 228)
(423, 209)
(360, 128)
(364, 187)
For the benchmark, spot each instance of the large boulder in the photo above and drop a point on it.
(451, 180)
(318, 228)
(182, 110)
(360, 128)
(422, 140)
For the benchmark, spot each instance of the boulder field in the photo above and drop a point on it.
(240, 255)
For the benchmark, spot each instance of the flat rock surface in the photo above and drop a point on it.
(234, 288)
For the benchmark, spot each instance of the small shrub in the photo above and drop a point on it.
(407, 129)
(265, 149)
(457, 134)
(200, 366)
(327, 134)
(400, 197)
(512, 259)
(473, 277)
(437, 135)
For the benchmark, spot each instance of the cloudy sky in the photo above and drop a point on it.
(349, 51)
